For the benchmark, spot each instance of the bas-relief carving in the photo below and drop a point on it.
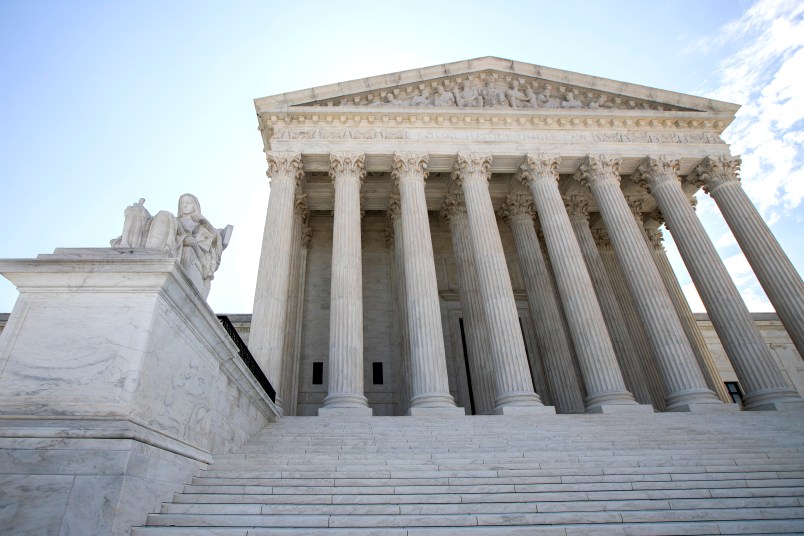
(491, 91)
(284, 133)
(187, 236)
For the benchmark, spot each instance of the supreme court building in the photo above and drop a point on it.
(484, 237)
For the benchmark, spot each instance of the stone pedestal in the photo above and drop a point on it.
(117, 383)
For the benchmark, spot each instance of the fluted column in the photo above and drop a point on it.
(480, 367)
(777, 275)
(762, 381)
(267, 337)
(428, 362)
(614, 272)
(345, 390)
(514, 386)
(686, 387)
(688, 322)
(290, 363)
(605, 388)
(552, 339)
(400, 301)
(627, 356)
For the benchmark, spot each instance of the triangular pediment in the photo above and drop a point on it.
(491, 83)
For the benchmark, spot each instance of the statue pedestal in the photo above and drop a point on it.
(115, 376)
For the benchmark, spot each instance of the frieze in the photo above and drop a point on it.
(284, 133)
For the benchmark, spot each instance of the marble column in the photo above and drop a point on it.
(345, 389)
(777, 275)
(578, 211)
(514, 385)
(552, 340)
(705, 360)
(290, 361)
(428, 362)
(267, 337)
(686, 387)
(605, 387)
(614, 272)
(474, 322)
(762, 381)
(400, 301)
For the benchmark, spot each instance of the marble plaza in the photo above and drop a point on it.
(465, 322)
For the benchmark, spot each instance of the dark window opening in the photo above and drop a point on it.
(376, 372)
(318, 372)
(468, 373)
(734, 392)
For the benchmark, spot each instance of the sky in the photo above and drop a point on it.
(102, 103)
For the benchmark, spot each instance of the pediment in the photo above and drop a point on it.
(487, 84)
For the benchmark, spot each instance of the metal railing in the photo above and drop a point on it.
(247, 358)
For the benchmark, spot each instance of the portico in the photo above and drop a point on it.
(412, 297)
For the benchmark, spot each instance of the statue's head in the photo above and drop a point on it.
(189, 206)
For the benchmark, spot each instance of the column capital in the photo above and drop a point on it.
(517, 205)
(596, 170)
(715, 171)
(284, 165)
(394, 208)
(300, 207)
(602, 240)
(454, 208)
(472, 167)
(409, 165)
(655, 237)
(539, 167)
(306, 235)
(347, 165)
(577, 206)
(636, 203)
(656, 171)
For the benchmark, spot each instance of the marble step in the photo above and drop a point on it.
(465, 520)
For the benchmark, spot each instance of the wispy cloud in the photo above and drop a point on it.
(762, 69)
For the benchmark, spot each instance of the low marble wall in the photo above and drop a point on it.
(117, 383)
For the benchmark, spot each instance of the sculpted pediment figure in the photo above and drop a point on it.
(188, 236)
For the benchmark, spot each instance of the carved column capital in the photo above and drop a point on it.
(653, 172)
(577, 206)
(716, 171)
(472, 167)
(601, 237)
(539, 167)
(637, 205)
(284, 165)
(300, 207)
(306, 235)
(347, 165)
(394, 208)
(596, 170)
(409, 165)
(655, 237)
(454, 207)
(517, 205)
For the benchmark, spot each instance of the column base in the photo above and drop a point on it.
(525, 410)
(521, 399)
(771, 400)
(609, 400)
(693, 398)
(453, 411)
(621, 408)
(356, 411)
(704, 407)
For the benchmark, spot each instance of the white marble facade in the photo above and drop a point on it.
(369, 308)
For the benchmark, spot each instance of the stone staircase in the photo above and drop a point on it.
(728, 473)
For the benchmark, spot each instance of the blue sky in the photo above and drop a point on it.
(105, 102)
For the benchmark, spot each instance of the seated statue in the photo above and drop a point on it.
(188, 237)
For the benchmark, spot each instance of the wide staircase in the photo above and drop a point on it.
(728, 473)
